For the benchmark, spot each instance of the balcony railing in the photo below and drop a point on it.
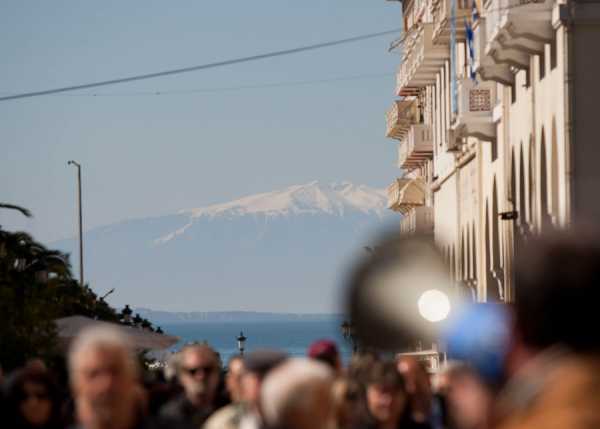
(406, 194)
(417, 221)
(516, 29)
(474, 117)
(418, 11)
(421, 60)
(416, 148)
(441, 14)
(487, 68)
(400, 117)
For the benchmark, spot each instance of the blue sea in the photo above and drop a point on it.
(293, 337)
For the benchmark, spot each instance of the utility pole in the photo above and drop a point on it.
(76, 164)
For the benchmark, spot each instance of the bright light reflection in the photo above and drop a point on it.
(434, 305)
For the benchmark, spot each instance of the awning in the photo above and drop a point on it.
(69, 327)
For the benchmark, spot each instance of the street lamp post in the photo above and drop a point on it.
(348, 334)
(76, 164)
(241, 340)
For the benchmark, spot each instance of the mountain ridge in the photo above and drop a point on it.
(284, 251)
(333, 199)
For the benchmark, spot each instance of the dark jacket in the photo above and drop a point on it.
(405, 423)
(156, 423)
(182, 409)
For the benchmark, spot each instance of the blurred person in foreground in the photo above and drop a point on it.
(198, 371)
(105, 382)
(326, 351)
(553, 360)
(246, 413)
(233, 378)
(418, 388)
(386, 397)
(229, 416)
(298, 395)
(32, 399)
(348, 400)
(467, 396)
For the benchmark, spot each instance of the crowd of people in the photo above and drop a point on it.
(549, 375)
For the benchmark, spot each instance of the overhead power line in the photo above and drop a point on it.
(197, 68)
(282, 84)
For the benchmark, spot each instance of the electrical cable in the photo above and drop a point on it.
(197, 68)
(228, 88)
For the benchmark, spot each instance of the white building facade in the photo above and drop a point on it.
(497, 122)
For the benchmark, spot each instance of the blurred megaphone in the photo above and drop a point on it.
(401, 294)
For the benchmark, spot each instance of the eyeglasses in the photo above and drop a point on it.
(203, 369)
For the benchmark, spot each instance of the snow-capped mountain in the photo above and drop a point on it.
(281, 251)
(311, 198)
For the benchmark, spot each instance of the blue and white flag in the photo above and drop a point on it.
(470, 35)
(471, 52)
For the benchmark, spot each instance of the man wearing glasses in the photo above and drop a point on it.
(198, 372)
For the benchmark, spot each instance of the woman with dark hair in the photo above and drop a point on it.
(32, 400)
(386, 398)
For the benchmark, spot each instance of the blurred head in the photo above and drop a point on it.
(468, 398)
(418, 386)
(385, 393)
(297, 395)
(104, 378)
(256, 366)
(327, 352)
(556, 290)
(348, 402)
(233, 379)
(33, 396)
(199, 371)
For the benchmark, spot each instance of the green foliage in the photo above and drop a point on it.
(36, 287)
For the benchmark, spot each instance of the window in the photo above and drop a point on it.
(494, 147)
(513, 92)
(553, 54)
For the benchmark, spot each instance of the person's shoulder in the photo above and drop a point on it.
(225, 417)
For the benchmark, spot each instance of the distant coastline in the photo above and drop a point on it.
(168, 317)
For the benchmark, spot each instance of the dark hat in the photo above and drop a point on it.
(263, 360)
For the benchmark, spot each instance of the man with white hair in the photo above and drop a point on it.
(298, 395)
(104, 380)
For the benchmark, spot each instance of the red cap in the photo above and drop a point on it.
(323, 349)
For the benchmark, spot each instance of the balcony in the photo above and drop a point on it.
(517, 29)
(441, 13)
(417, 221)
(416, 11)
(406, 194)
(400, 117)
(416, 148)
(474, 116)
(484, 65)
(421, 60)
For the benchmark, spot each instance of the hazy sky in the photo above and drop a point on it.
(146, 155)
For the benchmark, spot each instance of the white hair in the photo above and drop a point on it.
(99, 337)
(293, 389)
